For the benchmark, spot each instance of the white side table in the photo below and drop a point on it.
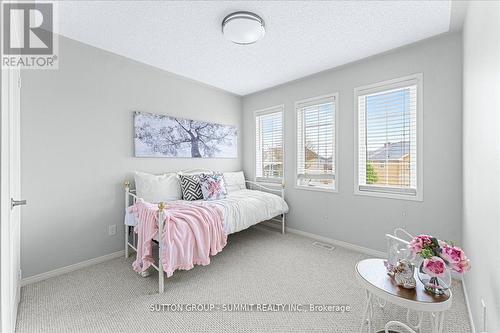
(372, 276)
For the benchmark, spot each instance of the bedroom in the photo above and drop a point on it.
(307, 130)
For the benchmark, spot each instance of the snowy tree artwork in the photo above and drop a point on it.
(165, 136)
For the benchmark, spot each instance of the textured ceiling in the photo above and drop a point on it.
(302, 37)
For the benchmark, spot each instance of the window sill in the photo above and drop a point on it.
(385, 195)
(268, 181)
(315, 189)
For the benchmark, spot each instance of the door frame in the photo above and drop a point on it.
(8, 300)
(9, 123)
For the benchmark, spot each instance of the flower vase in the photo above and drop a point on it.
(433, 284)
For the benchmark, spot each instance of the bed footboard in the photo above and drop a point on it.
(127, 204)
(130, 196)
(279, 191)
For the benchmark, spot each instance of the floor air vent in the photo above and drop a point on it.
(324, 246)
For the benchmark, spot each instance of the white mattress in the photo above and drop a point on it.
(244, 208)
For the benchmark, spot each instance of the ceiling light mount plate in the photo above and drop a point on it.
(243, 27)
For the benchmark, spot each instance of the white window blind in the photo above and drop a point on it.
(387, 138)
(316, 143)
(269, 145)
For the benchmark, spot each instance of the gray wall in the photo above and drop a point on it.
(481, 150)
(77, 148)
(363, 220)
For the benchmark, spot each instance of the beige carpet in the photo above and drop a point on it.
(257, 266)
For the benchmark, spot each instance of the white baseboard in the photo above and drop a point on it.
(71, 268)
(467, 304)
(332, 241)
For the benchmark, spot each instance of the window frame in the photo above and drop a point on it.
(413, 79)
(261, 112)
(335, 97)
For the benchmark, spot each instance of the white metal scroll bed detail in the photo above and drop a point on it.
(131, 197)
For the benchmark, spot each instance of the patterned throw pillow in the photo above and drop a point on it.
(190, 186)
(213, 187)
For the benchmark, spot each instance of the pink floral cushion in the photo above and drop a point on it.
(213, 187)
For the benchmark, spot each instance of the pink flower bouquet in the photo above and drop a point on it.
(429, 247)
(439, 256)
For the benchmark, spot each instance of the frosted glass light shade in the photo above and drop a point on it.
(243, 27)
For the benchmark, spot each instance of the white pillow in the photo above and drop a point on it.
(235, 181)
(157, 188)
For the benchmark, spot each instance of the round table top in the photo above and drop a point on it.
(372, 274)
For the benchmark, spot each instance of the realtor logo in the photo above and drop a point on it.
(28, 40)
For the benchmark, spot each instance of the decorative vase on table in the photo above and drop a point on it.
(439, 258)
(436, 285)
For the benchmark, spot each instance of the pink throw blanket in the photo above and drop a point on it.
(191, 233)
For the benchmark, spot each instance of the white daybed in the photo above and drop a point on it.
(242, 209)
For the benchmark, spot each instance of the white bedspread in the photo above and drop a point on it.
(244, 208)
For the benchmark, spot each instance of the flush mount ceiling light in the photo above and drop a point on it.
(243, 27)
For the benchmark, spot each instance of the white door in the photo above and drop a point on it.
(10, 183)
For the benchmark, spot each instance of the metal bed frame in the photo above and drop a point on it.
(131, 197)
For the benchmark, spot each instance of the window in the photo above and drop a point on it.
(269, 145)
(316, 143)
(389, 130)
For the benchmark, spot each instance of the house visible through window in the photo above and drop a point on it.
(316, 143)
(269, 145)
(387, 138)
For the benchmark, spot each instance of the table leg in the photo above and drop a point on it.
(382, 303)
(367, 313)
(418, 326)
(437, 322)
(441, 324)
(371, 307)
